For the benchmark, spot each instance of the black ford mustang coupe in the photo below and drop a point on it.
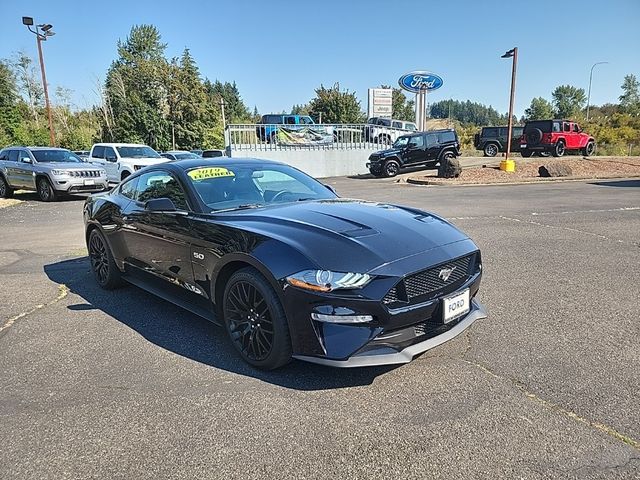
(288, 267)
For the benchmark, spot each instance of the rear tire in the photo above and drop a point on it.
(46, 193)
(5, 190)
(558, 149)
(589, 149)
(255, 320)
(526, 153)
(490, 150)
(103, 266)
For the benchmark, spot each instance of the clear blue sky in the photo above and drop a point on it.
(278, 52)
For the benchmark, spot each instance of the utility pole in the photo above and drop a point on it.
(590, 78)
(513, 53)
(42, 37)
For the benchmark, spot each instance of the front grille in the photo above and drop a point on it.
(427, 284)
(84, 173)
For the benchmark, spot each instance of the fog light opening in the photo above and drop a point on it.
(341, 318)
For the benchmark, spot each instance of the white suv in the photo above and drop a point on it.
(122, 159)
(387, 130)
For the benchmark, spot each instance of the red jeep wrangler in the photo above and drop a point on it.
(555, 137)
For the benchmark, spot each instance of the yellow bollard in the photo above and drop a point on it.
(508, 165)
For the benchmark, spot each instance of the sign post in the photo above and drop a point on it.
(420, 82)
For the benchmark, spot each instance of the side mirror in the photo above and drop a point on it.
(26, 160)
(330, 188)
(160, 205)
(412, 145)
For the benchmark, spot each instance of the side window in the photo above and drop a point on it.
(567, 127)
(410, 126)
(491, 132)
(502, 131)
(128, 188)
(418, 140)
(23, 156)
(4, 155)
(444, 137)
(396, 124)
(159, 184)
(109, 153)
(98, 151)
(290, 120)
(576, 128)
(13, 155)
(274, 119)
(556, 126)
(432, 139)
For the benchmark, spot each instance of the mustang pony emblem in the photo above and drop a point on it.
(445, 273)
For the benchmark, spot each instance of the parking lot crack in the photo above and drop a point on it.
(63, 291)
(550, 405)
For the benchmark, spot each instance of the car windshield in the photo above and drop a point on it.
(401, 142)
(59, 156)
(138, 152)
(236, 186)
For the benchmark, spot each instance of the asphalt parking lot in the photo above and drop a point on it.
(98, 384)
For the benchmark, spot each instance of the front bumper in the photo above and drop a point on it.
(80, 185)
(389, 356)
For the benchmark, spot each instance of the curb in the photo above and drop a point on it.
(533, 180)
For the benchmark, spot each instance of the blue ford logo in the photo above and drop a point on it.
(415, 81)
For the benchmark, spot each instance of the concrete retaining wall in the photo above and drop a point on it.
(317, 163)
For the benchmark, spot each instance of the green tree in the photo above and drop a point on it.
(539, 109)
(235, 109)
(630, 98)
(467, 112)
(568, 101)
(336, 106)
(402, 108)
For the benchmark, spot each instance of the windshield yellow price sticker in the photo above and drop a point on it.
(209, 172)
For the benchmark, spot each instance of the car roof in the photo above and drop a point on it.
(218, 162)
(177, 151)
(120, 145)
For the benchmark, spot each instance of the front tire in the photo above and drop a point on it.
(104, 267)
(558, 149)
(46, 193)
(587, 151)
(375, 172)
(490, 150)
(5, 190)
(124, 175)
(391, 168)
(255, 320)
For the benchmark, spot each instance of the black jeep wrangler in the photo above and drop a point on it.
(424, 148)
(492, 140)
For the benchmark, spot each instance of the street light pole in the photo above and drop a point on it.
(41, 37)
(513, 53)
(590, 78)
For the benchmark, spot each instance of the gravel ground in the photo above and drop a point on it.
(527, 170)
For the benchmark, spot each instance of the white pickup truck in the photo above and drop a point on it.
(122, 159)
(387, 130)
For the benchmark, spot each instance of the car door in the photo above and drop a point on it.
(159, 242)
(97, 156)
(416, 153)
(432, 147)
(10, 162)
(25, 170)
(111, 164)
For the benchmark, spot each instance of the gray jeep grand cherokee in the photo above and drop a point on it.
(49, 171)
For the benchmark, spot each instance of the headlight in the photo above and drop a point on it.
(59, 172)
(326, 281)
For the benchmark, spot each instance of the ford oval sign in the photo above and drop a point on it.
(416, 81)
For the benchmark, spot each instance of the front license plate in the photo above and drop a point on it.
(89, 182)
(455, 306)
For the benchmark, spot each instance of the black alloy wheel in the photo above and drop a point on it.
(45, 190)
(375, 172)
(490, 150)
(558, 149)
(5, 190)
(391, 168)
(103, 266)
(255, 320)
(587, 151)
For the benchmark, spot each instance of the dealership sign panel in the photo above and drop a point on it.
(418, 81)
(380, 101)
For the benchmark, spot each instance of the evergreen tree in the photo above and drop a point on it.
(630, 98)
(540, 109)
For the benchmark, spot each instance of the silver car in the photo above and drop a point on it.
(49, 171)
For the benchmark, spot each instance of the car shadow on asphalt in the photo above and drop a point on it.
(174, 329)
(368, 176)
(618, 183)
(27, 196)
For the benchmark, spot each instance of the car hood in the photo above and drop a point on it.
(388, 152)
(67, 165)
(348, 235)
